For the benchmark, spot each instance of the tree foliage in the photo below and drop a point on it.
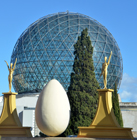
(82, 92)
(116, 107)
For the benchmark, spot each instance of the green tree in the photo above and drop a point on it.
(82, 92)
(116, 107)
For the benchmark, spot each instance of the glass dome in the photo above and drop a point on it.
(45, 51)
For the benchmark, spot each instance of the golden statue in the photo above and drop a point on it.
(11, 70)
(104, 70)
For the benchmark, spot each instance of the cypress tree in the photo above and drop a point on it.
(82, 92)
(116, 107)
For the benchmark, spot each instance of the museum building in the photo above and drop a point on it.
(45, 51)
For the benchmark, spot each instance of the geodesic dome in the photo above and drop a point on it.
(45, 51)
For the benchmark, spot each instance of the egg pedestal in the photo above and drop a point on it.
(10, 125)
(104, 124)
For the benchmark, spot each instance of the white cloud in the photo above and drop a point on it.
(125, 95)
(128, 88)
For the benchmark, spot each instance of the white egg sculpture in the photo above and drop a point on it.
(52, 111)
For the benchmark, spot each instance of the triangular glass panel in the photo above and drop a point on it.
(47, 36)
(71, 44)
(44, 57)
(86, 26)
(115, 50)
(39, 46)
(93, 23)
(91, 29)
(103, 37)
(100, 38)
(64, 35)
(82, 21)
(108, 39)
(61, 64)
(106, 55)
(74, 36)
(42, 23)
(102, 59)
(51, 18)
(58, 38)
(42, 32)
(81, 29)
(25, 46)
(95, 64)
(45, 42)
(69, 39)
(107, 49)
(60, 58)
(72, 29)
(50, 46)
(102, 31)
(53, 62)
(62, 67)
(72, 16)
(36, 37)
(102, 46)
(99, 54)
(53, 23)
(63, 54)
(111, 47)
(62, 17)
(74, 22)
(96, 28)
(60, 52)
(53, 33)
(56, 43)
(58, 62)
(25, 35)
(33, 32)
(62, 47)
(63, 25)
(55, 30)
(33, 27)
(93, 43)
(32, 58)
(97, 46)
(93, 36)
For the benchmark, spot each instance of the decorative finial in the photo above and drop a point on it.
(11, 70)
(104, 70)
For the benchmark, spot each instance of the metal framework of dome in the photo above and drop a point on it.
(45, 51)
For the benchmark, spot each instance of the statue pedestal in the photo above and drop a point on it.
(10, 125)
(105, 124)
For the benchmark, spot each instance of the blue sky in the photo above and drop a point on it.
(118, 16)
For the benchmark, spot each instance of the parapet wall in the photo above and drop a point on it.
(129, 114)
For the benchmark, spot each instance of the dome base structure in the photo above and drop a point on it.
(10, 125)
(105, 124)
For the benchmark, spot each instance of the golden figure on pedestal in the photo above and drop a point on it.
(11, 70)
(104, 70)
(10, 125)
(104, 124)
